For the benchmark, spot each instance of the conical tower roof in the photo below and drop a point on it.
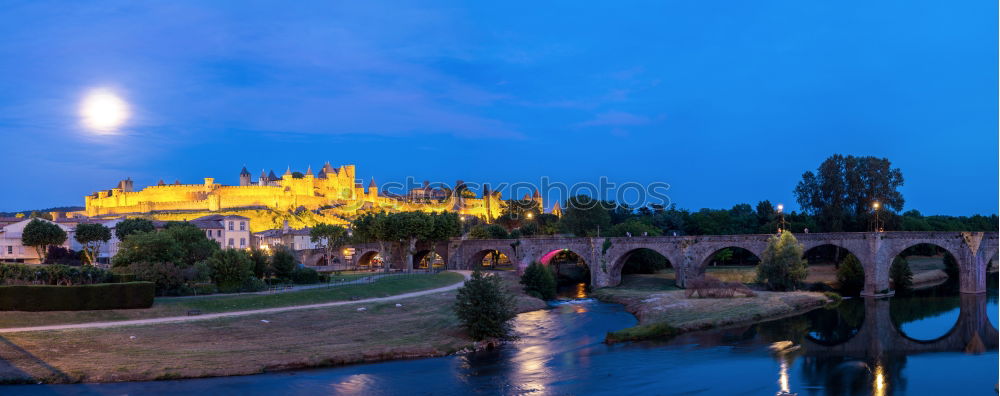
(244, 172)
(309, 170)
(372, 184)
(271, 176)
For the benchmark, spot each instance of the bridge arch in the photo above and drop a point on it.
(705, 259)
(370, 259)
(498, 254)
(619, 263)
(428, 259)
(952, 260)
(558, 259)
(825, 262)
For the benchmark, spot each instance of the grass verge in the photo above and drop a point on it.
(212, 304)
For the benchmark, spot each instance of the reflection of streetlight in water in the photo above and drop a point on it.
(783, 378)
(879, 385)
(581, 290)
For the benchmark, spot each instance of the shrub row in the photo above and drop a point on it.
(77, 298)
(24, 274)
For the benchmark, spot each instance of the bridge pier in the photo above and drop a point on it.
(972, 275)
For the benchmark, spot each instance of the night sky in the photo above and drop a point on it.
(728, 102)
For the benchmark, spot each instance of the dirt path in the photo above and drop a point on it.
(173, 319)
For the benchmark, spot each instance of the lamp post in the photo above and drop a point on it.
(781, 215)
(875, 206)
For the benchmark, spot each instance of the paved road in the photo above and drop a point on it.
(175, 319)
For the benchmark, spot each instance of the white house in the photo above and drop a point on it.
(12, 249)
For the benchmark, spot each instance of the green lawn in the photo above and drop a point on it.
(211, 304)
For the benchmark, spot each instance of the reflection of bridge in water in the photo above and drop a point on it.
(879, 336)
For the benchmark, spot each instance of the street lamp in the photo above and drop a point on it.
(781, 214)
(875, 207)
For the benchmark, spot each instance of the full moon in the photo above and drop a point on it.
(102, 111)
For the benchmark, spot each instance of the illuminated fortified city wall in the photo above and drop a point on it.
(334, 194)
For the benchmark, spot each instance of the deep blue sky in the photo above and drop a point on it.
(726, 101)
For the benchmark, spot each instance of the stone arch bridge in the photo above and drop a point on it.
(690, 255)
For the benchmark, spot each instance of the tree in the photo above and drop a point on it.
(283, 263)
(195, 245)
(408, 228)
(841, 192)
(901, 275)
(331, 236)
(767, 217)
(850, 276)
(539, 281)
(484, 307)
(148, 247)
(446, 225)
(230, 269)
(91, 236)
(128, 227)
(40, 234)
(260, 262)
(584, 216)
(633, 227)
(781, 265)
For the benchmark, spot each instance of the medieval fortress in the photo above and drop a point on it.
(333, 195)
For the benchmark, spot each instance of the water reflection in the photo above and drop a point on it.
(862, 346)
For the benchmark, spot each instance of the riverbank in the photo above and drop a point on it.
(663, 311)
(406, 328)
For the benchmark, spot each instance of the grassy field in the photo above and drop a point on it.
(423, 326)
(210, 304)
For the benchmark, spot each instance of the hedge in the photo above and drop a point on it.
(77, 298)
(52, 274)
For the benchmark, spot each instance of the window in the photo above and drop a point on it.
(243, 242)
(218, 233)
(243, 226)
(10, 249)
(230, 241)
(209, 232)
(230, 226)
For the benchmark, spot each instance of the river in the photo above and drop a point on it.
(935, 342)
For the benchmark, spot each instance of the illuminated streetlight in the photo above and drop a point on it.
(781, 215)
(530, 215)
(875, 206)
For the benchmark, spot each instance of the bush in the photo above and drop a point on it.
(781, 265)
(305, 276)
(539, 281)
(77, 298)
(260, 262)
(485, 308)
(167, 277)
(23, 274)
(230, 269)
(253, 284)
(902, 277)
(651, 331)
(282, 263)
(148, 247)
(713, 288)
(850, 276)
